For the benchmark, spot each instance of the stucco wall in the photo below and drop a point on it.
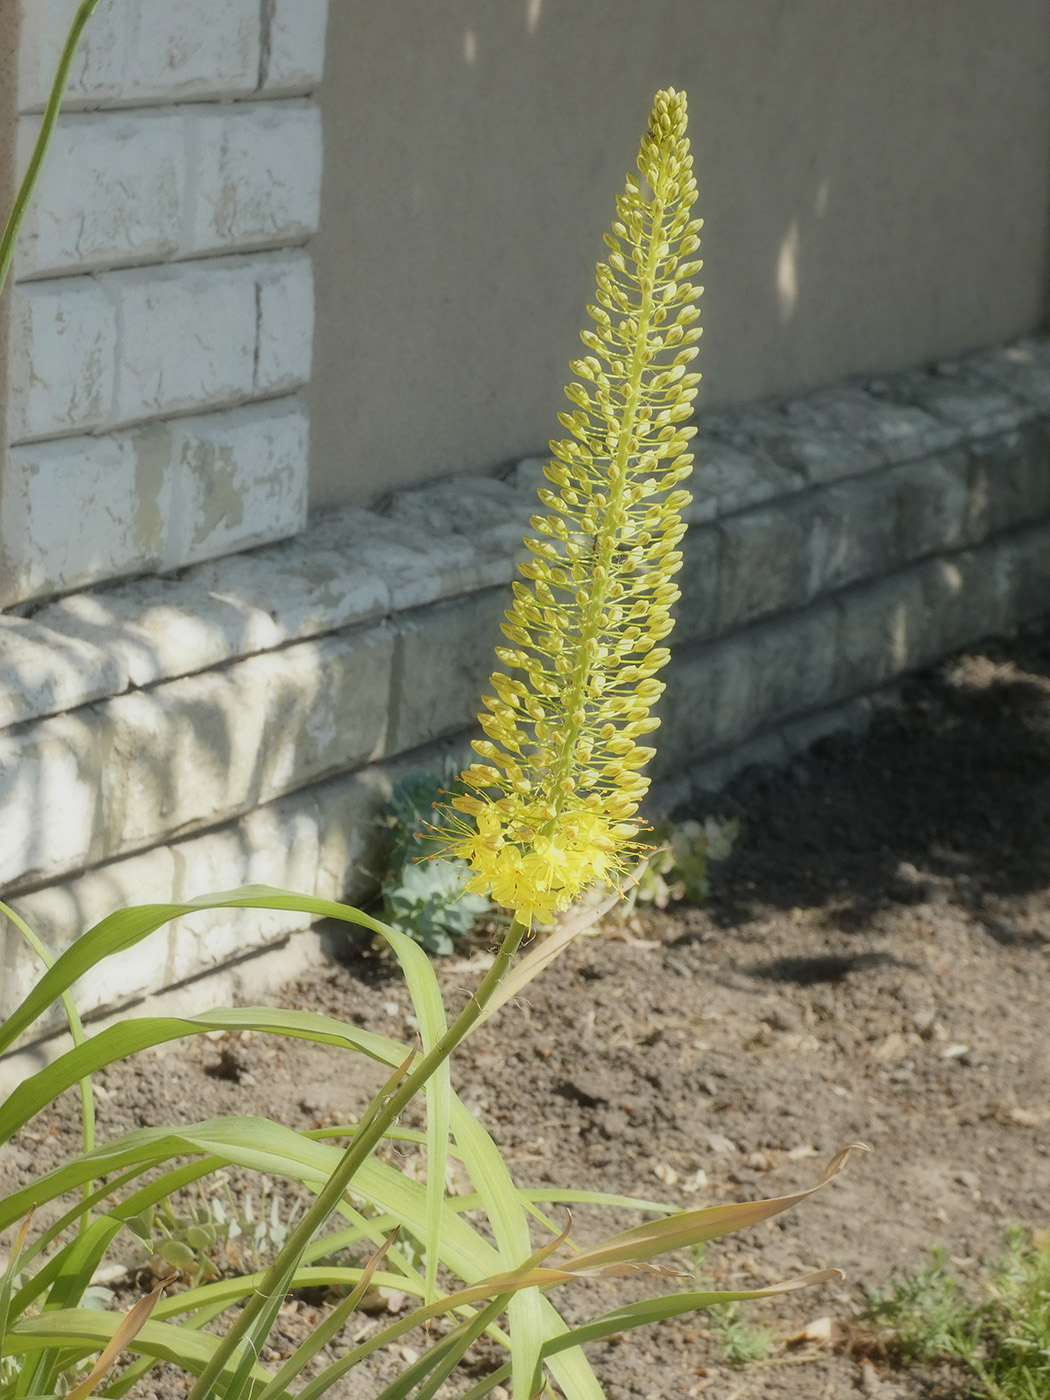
(874, 179)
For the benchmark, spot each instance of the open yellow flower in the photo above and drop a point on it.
(552, 802)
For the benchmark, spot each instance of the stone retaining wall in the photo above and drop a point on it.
(240, 722)
(161, 320)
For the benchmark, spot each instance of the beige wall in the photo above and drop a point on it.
(874, 176)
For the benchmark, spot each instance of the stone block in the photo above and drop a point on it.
(239, 479)
(115, 502)
(696, 611)
(417, 567)
(794, 663)
(894, 432)
(257, 175)
(445, 657)
(97, 73)
(726, 479)
(969, 406)
(708, 779)
(929, 503)
(60, 913)
(43, 672)
(1025, 568)
(707, 703)
(62, 358)
(813, 451)
(209, 747)
(188, 336)
(277, 845)
(490, 513)
(884, 630)
(160, 628)
(285, 300)
(1021, 370)
(294, 46)
(139, 769)
(764, 562)
(193, 49)
(110, 192)
(853, 532)
(50, 781)
(968, 596)
(1009, 481)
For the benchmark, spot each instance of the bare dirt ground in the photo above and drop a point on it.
(872, 964)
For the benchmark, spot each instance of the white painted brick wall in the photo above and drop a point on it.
(62, 359)
(294, 60)
(286, 323)
(239, 479)
(257, 175)
(187, 337)
(72, 507)
(136, 51)
(166, 346)
(111, 191)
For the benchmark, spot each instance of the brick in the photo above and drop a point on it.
(97, 73)
(257, 175)
(763, 564)
(444, 661)
(188, 336)
(285, 300)
(727, 478)
(193, 49)
(884, 630)
(110, 192)
(115, 500)
(62, 358)
(695, 612)
(239, 479)
(1009, 481)
(294, 46)
(43, 672)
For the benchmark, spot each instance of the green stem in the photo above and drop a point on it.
(43, 140)
(365, 1142)
(76, 1031)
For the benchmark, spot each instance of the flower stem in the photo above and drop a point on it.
(43, 140)
(373, 1128)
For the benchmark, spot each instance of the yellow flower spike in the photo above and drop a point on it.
(587, 625)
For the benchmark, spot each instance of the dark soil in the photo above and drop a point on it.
(872, 964)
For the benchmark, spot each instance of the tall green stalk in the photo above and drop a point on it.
(43, 140)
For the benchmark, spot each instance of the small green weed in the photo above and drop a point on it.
(423, 891)
(739, 1342)
(1004, 1339)
(678, 868)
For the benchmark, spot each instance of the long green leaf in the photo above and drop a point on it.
(126, 927)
